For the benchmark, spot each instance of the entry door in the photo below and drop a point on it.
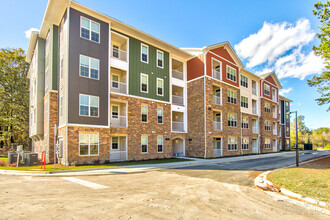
(280, 145)
(274, 146)
(255, 146)
(217, 150)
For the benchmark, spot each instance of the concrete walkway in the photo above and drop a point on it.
(139, 168)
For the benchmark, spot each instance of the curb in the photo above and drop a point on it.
(261, 182)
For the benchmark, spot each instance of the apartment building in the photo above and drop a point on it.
(107, 91)
(284, 126)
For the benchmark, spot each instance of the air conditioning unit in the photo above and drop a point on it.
(12, 157)
(30, 159)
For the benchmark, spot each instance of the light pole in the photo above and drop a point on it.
(297, 149)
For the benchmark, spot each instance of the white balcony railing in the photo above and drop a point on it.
(274, 115)
(119, 54)
(275, 131)
(217, 125)
(118, 122)
(254, 91)
(177, 100)
(255, 129)
(177, 74)
(216, 100)
(178, 126)
(254, 110)
(116, 155)
(118, 87)
(216, 74)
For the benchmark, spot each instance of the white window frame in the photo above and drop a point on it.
(112, 111)
(270, 145)
(247, 81)
(230, 73)
(266, 125)
(266, 86)
(142, 44)
(90, 30)
(161, 52)
(243, 144)
(117, 143)
(89, 148)
(161, 115)
(161, 144)
(147, 144)
(232, 138)
(243, 103)
(89, 106)
(147, 114)
(143, 74)
(89, 67)
(158, 87)
(114, 74)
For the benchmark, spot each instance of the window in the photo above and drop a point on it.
(115, 81)
(245, 122)
(267, 125)
(160, 59)
(88, 144)
(232, 143)
(61, 107)
(232, 120)
(144, 83)
(89, 67)
(89, 30)
(218, 143)
(244, 81)
(267, 143)
(232, 96)
(267, 107)
(114, 143)
(274, 95)
(115, 51)
(144, 53)
(160, 87)
(244, 102)
(274, 112)
(160, 115)
(144, 144)
(115, 112)
(159, 144)
(231, 73)
(144, 113)
(89, 105)
(266, 89)
(245, 143)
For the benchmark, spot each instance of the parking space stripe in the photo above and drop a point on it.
(85, 183)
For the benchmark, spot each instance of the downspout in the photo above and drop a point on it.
(204, 106)
(67, 82)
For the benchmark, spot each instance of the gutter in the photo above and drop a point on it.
(205, 105)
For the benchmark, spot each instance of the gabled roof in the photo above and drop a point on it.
(284, 98)
(265, 75)
(229, 48)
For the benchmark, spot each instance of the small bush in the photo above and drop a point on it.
(107, 162)
(96, 161)
(3, 163)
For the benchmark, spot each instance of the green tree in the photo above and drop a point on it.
(322, 82)
(303, 131)
(14, 96)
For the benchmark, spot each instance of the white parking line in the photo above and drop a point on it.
(85, 183)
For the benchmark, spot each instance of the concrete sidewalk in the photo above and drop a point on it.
(139, 168)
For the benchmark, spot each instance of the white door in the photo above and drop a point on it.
(217, 150)
(255, 146)
(274, 146)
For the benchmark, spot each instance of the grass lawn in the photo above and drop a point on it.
(50, 167)
(309, 182)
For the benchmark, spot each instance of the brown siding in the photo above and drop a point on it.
(195, 68)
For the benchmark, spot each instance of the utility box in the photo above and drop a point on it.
(30, 159)
(308, 146)
(12, 157)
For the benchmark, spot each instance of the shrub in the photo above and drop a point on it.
(96, 161)
(107, 162)
(3, 163)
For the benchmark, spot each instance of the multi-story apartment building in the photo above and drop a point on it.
(109, 91)
(284, 126)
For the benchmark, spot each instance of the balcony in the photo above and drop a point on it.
(254, 107)
(216, 74)
(217, 121)
(177, 74)
(254, 129)
(217, 100)
(216, 69)
(118, 81)
(120, 121)
(177, 95)
(254, 87)
(118, 150)
(119, 51)
(118, 114)
(178, 121)
(118, 87)
(118, 54)
(177, 100)
(217, 125)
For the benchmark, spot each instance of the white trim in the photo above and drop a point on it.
(90, 30)
(212, 58)
(147, 113)
(111, 142)
(55, 91)
(147, 143)
(112, 111)
(161, 52)
(235, 74)
(109, 71)
(196, 78)
(84, 125)
(89, 105)
(158, 87)
(89, 141)
(162, 144)
(162, 115)
(142, 44)
(265, 90)
(223, 58)
(240, 81)
(89, 67)
(268, 99)
(143, 74)
(139, 97)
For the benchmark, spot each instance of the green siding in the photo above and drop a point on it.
(136, 67)
(55, 57)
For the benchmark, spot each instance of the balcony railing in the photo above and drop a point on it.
(216, 74)
(274, 98)
(254, 90)
(118, 87)
(216, 100)
(177, 100)
(178, 126)
(254, 110)
(177, 74)
(217, 125)
(274, 115)
(275, 131)
(118, 122)
(255, 129)
(119, 54)
(116, 155)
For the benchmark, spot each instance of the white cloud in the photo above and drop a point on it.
(273, 40)
(285, 91)
(28, 32)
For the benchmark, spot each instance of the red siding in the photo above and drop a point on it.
(195, 68)
(271, 89)
(221, 51)
(224, 53)
(270, 79)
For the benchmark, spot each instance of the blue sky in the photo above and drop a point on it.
(268, 35)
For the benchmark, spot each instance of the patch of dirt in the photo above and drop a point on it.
(323, 163)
